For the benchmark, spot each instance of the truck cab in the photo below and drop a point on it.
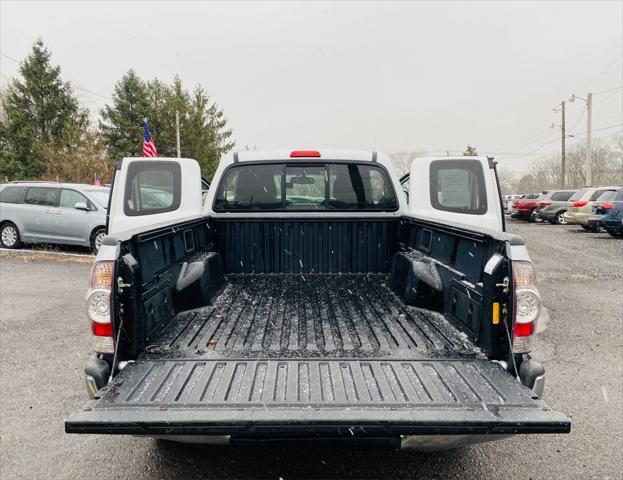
(306, 298)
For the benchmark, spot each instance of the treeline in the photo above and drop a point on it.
(545, 174)
(45, 132)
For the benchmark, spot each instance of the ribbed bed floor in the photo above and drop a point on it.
(309, 316)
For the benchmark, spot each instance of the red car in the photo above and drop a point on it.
(524, 207)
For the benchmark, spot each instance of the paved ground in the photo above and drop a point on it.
(44, 343)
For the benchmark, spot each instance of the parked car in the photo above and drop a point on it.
(580, 205)
(600, 207)
(306, 299)
(508, 202)
(525, 207)
(553, 205)
(47, 212)
(612, 219)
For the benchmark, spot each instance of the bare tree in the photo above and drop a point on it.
(402, 160)
(606, 161)
(79, 163)
(507, 181)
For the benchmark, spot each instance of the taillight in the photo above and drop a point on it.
(579, 204)
(98, 306)
(606, 206)
(304, 153)
(544, 203)
(527, 306)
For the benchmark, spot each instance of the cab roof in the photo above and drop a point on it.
(311, 154)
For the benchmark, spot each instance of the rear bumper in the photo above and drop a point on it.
(581, 218)
(614, 224)
(594, 222)
(416, 443)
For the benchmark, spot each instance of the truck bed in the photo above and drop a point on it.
(309, 316)
(309, 355)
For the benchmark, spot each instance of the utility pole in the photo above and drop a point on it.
(177, 132)
(589, 147)
(563, 157)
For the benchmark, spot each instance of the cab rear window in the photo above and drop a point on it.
(305, 187)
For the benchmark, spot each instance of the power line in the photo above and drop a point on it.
(619, 58)
(86, 90)
(599, 129)
(10, 58)
(510, 154)
(528, 143)
(609, 90)
(580, 117)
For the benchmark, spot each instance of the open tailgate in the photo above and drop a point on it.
(282, 397)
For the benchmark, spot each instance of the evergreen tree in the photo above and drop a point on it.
(38, 109)
(203, 125)
(122, 122)
(205, 135)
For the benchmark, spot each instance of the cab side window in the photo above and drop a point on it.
(458, 186)
(152, 187)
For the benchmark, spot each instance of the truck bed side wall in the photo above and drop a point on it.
(458, 257)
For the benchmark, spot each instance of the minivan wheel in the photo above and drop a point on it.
(9, 236)
(97, 237)
(560, 219)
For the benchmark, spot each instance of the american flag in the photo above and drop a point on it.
(149, 149)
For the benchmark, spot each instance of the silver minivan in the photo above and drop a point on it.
(48, 212)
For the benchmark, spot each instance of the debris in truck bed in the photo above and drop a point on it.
(331, 316)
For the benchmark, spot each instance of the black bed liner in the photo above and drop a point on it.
(313, 315)
(311, 355)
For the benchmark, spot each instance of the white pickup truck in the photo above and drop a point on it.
(313, 295)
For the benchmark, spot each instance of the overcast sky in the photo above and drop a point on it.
(398, 76)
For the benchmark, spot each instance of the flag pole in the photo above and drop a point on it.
(177, 132)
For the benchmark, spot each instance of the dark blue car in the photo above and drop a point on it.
(613, 215)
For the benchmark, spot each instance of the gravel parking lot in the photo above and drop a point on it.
(44, 343)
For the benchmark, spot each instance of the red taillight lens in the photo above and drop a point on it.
(606, 206)
(304, 153)
(579, 204)
(523, 329)
(545, 203)
(101, 329)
